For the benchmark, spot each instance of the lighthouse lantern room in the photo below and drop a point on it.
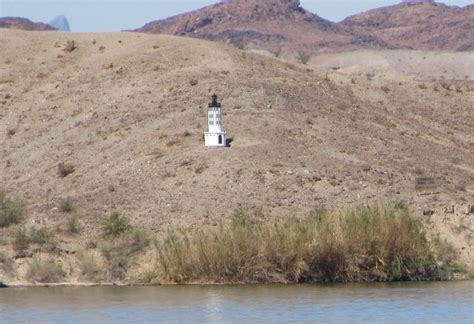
(215, 136)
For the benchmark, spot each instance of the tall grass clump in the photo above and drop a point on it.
(89, 268)
(11, 212)
(379, 243)
(44, 270)
(124, 243)
(116, 225)
(6, 263)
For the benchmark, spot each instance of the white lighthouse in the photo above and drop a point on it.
(215, 136)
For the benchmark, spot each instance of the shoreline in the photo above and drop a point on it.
(110, 284)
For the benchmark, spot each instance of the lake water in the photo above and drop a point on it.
(394, 303)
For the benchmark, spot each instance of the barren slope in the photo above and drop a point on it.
(426, 26)
(276, 25)
(23, 24)
(270, 25)
(121, 109)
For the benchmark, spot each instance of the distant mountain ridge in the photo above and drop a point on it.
(425, 25)
(23, 24)
(276, 24)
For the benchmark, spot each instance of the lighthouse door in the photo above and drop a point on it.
(220, 139)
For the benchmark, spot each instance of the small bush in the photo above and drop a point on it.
(11, 133)
(65, 169)
(73, 225)
(201, 167)
(21, 241)
(446, 86)
(66, 206)
(44, 270)
(6, 263)
(121, 250)
(116, 225)
(173, 142)
(41, 236)
(278, 52)
(11, 212)
(304, 57)
(147, 277)
(70, 46)
(88, 267)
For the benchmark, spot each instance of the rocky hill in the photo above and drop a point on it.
(116, 123)
(23, 24)
(273, 25)
(423, 25)
(283, 24)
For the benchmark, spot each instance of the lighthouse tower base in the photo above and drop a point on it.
(215, 139)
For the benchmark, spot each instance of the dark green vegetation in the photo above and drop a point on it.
(380, 243)
(42, 237)
(11, 212)
(124, 243)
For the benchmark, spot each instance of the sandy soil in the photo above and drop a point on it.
(121, 108)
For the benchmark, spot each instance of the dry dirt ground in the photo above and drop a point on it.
(128, 111)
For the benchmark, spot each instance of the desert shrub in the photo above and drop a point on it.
(89, 267)
(379, 243)
(6, 263)
(11, 212)
(278, 52)
(11, 133)
(70, 46)
(201, 167)
(461, 186)
(44, 270)
(21, 241)
(66, 205)
(173, 142)
(41, 236)
(116, 225)
(446, 86)
(65, 169)
(304, 57)
(147, 277)
(120, 251)
(73, 225)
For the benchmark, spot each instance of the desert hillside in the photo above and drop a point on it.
(23, 24)
(426, 25)
(124, 115)
(279, 26)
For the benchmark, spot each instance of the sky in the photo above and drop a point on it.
(116, 15)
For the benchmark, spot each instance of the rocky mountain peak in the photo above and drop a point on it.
(61, 23)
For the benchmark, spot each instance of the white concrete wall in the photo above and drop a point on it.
(212, 139)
